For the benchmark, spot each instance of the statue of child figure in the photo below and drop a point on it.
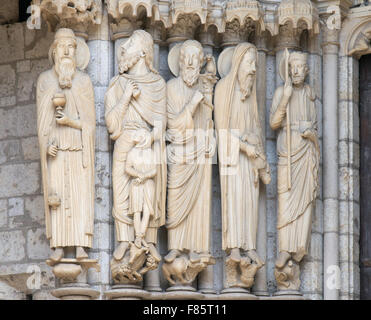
(141, 166)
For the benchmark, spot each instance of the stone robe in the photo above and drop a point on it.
(145, 111)
(240, 194)
(295, 206)
(69, 175)
(188, 201)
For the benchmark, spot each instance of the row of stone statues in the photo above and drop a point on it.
(166, 135)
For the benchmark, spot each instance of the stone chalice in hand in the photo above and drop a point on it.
(59, 101)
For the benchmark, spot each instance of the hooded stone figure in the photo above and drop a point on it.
(66, 130)
(241, 154)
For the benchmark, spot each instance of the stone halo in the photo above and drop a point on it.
(82, 54)
(225, 61)
(173, 59)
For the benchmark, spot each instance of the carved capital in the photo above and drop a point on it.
(300, 14)
(200, 8)
(77, 15)
(235, 33)
(288, 37)
(330, 40)
(123, 28)
(184, 28)
(244, 10)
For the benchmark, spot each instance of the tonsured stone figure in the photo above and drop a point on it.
(297, 169)
(135, 101)
(66, 130)
(242, 162)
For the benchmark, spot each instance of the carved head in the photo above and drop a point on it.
(298, 67)
(64, 56)
(191, 58)
(247, 72)
(138, 46)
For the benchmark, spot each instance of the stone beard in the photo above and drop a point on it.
(236, 113)
(188, 203)
(68, 176)
(295, 204)
(125, 116)
(65, 67)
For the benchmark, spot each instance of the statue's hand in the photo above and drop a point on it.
(131, 89)
(52, 150)
(197, 97)
(251, 151)
(287, 90)
(63, 119)
(308, 134)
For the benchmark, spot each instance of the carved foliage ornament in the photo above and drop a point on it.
(75, 14)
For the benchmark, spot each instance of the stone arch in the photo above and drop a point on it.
(356, 37)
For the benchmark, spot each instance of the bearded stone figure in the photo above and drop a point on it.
(190, 148)
(135, 113)
(242, 162)
(66, 130)
(293, 113)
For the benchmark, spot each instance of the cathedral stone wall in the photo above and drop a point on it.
(23, 244)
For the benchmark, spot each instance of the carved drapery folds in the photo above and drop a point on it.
(74, 14)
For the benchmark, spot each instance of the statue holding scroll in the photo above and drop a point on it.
(294, 114)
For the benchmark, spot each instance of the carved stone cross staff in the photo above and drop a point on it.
(288, 128)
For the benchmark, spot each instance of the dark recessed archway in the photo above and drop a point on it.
(365, 174)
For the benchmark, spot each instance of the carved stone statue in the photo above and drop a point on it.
(242, 161)
(66, 130)
(135, 113)
(293, 113)
(191, 145)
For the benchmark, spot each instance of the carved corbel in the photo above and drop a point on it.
(77, 15)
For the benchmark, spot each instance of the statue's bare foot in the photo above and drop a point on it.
(282, 259)
(170, 257)
(57, 255)
(194, 257)
(254, 257)
(81, 253)
(138, 242)
(155, 254)
(235, 255)
(121, 250)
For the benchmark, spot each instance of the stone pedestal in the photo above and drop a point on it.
(72, 276)
(288, 295)
(75, 291)
(237, 293)
(127, 292)
(179, 292)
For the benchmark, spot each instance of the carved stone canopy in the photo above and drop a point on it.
(300, 14)
(74, 14)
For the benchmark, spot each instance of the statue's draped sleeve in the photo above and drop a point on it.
(45, 124)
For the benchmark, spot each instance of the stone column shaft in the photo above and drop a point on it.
(330, 160)
(260, 287)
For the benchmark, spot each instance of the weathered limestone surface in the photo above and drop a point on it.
(24, 55)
